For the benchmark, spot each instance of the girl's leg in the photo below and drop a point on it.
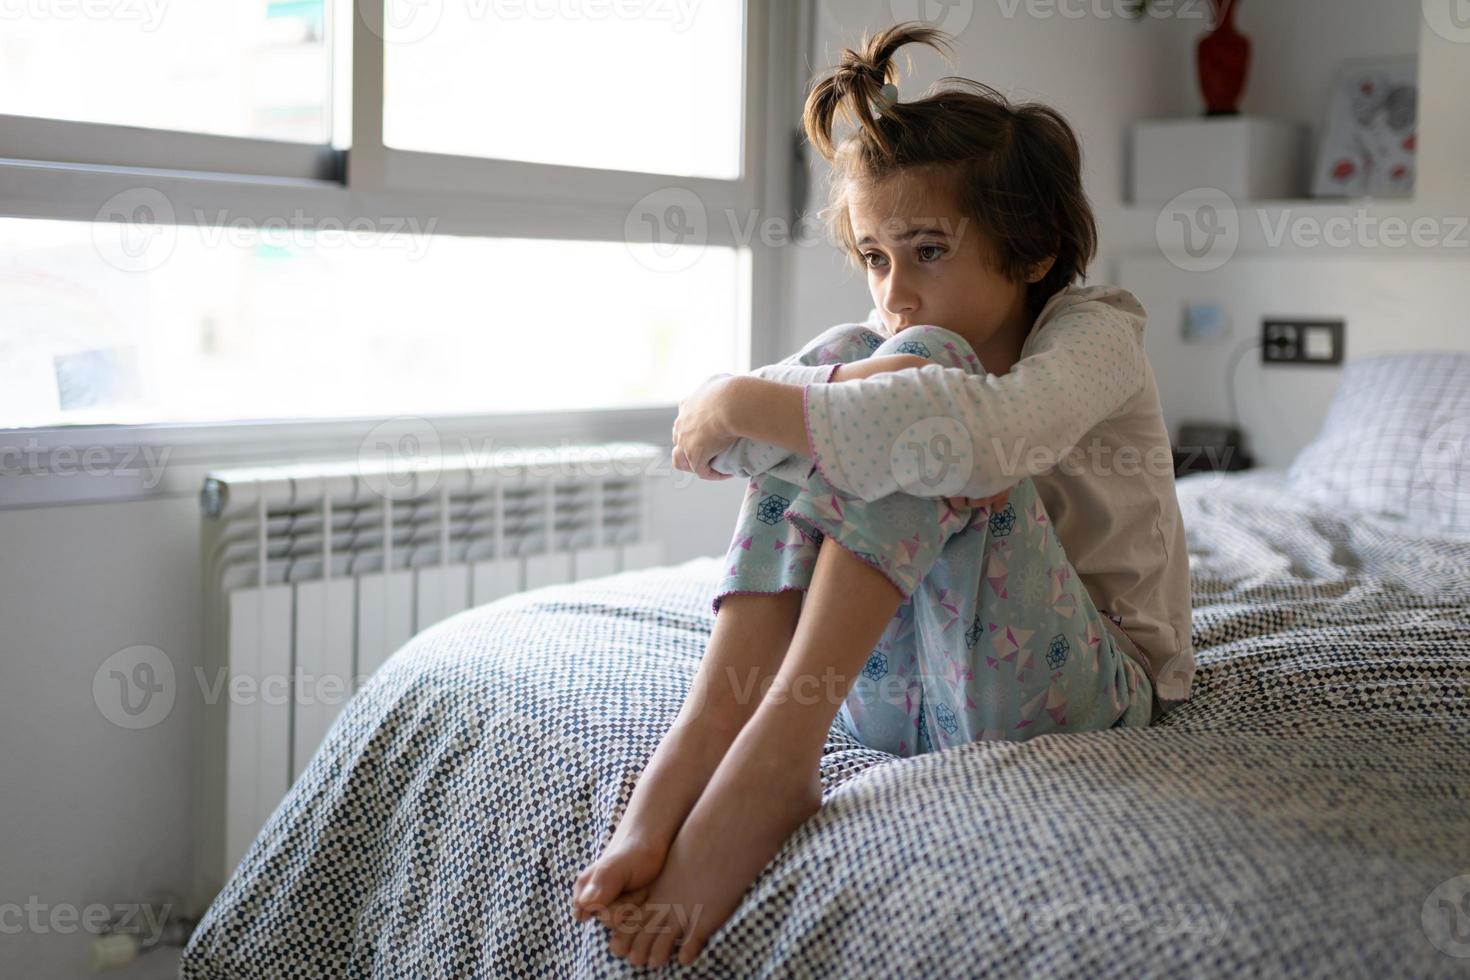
(847, 609)
(750, 636)
(766, 785)
(768, 566)
(1035, 655)
(999, 641)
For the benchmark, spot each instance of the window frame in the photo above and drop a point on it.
(59, 169)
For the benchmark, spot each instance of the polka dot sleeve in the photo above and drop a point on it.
(1082, 361)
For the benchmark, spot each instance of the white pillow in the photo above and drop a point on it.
(1395, 442)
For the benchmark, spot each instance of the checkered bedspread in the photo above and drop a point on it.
(1309, 798)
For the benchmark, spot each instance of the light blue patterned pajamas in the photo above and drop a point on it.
(995, 636)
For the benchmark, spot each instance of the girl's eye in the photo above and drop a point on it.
(927, 253)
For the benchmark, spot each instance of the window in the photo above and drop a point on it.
(238, 69)
(295, 209)
(234, 325)
(657, 93)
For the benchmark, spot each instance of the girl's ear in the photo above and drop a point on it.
(1038, 271)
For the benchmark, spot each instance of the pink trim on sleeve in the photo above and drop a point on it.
(832, 374)
(715, 602)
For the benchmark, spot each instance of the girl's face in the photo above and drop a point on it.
(927, 264)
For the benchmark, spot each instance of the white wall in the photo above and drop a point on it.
(93, 813)
(1297, 47)
(1392, 298)
(1389, 305)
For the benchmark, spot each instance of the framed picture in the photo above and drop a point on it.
(1368, 144)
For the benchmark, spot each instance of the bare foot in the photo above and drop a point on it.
(666, 790)
(756, 799)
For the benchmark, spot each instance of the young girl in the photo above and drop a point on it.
(960, 522)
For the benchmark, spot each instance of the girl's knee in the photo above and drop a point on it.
(844, 343)
(938, 344)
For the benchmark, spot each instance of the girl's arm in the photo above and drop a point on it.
(805, 367)
(793, 373)
(767, 411)
(1087, 359)
(729, 407)
(765, 406)
(773, 412)
(807, 374)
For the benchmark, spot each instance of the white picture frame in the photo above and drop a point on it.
(1368, 146)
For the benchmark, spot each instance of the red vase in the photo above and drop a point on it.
(1223, 56)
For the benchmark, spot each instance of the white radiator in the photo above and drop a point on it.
(296, 619)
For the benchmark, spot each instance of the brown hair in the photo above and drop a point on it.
(1016, 168)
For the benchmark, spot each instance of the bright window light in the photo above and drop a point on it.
(230, 68)
(645, 85)
(196, 324)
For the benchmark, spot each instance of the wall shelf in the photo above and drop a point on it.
(1326, 227)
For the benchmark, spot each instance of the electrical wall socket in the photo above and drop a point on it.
(1301, 341)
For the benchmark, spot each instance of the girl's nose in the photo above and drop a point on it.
(900, 301)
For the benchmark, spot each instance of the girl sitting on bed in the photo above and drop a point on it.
(987, 414)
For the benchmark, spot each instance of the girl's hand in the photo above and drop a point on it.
(993, 503)
(701, 431)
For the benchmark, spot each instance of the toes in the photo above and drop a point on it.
(620, 940)
(693, 943)
(603, 883)
(688, 950)
(663, 944)
(653, 926)
(624, 918)
(587, 891)
(607, 882)
(624, 909)
(578, 897)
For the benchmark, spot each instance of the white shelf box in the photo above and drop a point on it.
(1247, 157)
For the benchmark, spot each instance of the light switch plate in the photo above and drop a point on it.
(1293, 341)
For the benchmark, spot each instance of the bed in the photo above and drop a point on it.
(1309, 803)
